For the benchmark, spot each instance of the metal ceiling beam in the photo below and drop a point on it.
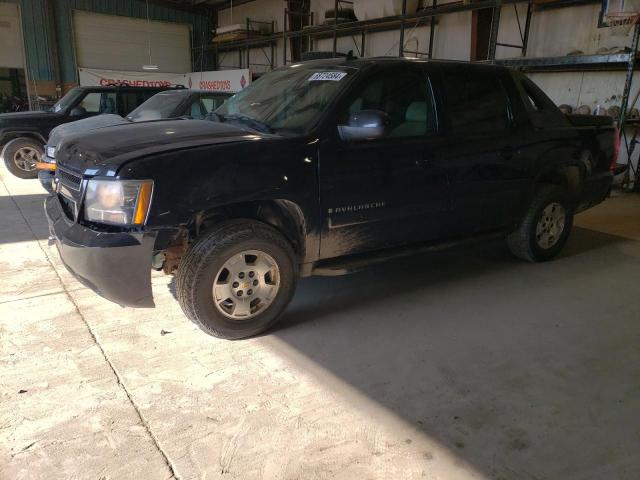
(221, 4)
(183, 5)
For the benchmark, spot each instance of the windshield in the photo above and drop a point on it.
(288, 100)
(66, 101)
(161, 105)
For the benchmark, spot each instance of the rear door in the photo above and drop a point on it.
(483, 158)
(385, 192)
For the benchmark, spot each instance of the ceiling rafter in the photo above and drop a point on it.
(199, 8)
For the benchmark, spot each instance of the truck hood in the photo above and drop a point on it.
(85, 125)
(15, 119)
(103, 151)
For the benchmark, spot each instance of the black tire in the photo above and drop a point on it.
(205, 258)
(523, 242)
(10, 159)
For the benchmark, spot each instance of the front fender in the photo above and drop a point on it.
(7, 135)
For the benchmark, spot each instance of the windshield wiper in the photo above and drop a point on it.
(251, 122)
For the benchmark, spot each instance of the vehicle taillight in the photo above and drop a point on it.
(616, 148)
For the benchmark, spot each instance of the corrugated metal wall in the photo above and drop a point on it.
(36, 31)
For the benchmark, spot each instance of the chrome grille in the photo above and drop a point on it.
(69, 179)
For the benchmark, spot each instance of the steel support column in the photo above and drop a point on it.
(404, 14)
(629, 78)
(493, 34)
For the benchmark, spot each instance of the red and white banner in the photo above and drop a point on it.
(92, 77)
(218, 81)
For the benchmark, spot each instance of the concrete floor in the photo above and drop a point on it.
(465, 365)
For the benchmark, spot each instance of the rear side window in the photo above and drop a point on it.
(146, 95)
(542, 111)
(476, 104)
(131, 100)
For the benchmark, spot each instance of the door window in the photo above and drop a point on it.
(476, 104)
(404, 95)
(99, 102)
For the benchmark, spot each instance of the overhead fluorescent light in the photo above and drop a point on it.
(150, 67)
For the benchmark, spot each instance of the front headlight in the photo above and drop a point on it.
(118, 202)
(51, 152)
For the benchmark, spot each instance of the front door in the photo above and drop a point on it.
(390, 191)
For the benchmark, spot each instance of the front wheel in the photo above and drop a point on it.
(21, 156)
(235, 281)
(546, 226)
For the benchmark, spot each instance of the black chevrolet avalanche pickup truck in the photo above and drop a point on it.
(321, 168)
(23, 135)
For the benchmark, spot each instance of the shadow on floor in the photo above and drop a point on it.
(525, 371)
(417, 273)
(12, 225)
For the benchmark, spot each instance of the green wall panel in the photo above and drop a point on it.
(36, 40)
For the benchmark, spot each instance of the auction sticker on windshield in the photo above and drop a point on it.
(327, 76)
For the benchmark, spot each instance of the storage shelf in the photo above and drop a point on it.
(379, 24)
(569, 63)
(255, 42)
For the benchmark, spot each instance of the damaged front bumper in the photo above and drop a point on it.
(117, 266)
(46, 179)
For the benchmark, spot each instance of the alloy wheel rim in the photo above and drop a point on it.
(550, 225)
(25, 158)
(246, 285)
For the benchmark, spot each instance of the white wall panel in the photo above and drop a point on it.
(11, 46)
(120, 43)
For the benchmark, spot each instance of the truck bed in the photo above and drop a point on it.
(590, 120)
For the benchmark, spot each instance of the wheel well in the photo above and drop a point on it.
(9, 137)
(283, 215)
(568, 177)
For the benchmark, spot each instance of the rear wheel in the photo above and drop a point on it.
(546, 226)
(235, 281)
(21, 155)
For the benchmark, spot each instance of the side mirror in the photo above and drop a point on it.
(365, 125)
(77, 112)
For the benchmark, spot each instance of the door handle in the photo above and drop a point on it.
(425, 160)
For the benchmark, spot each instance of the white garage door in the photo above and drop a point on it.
(120, 43)
(11, 48)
